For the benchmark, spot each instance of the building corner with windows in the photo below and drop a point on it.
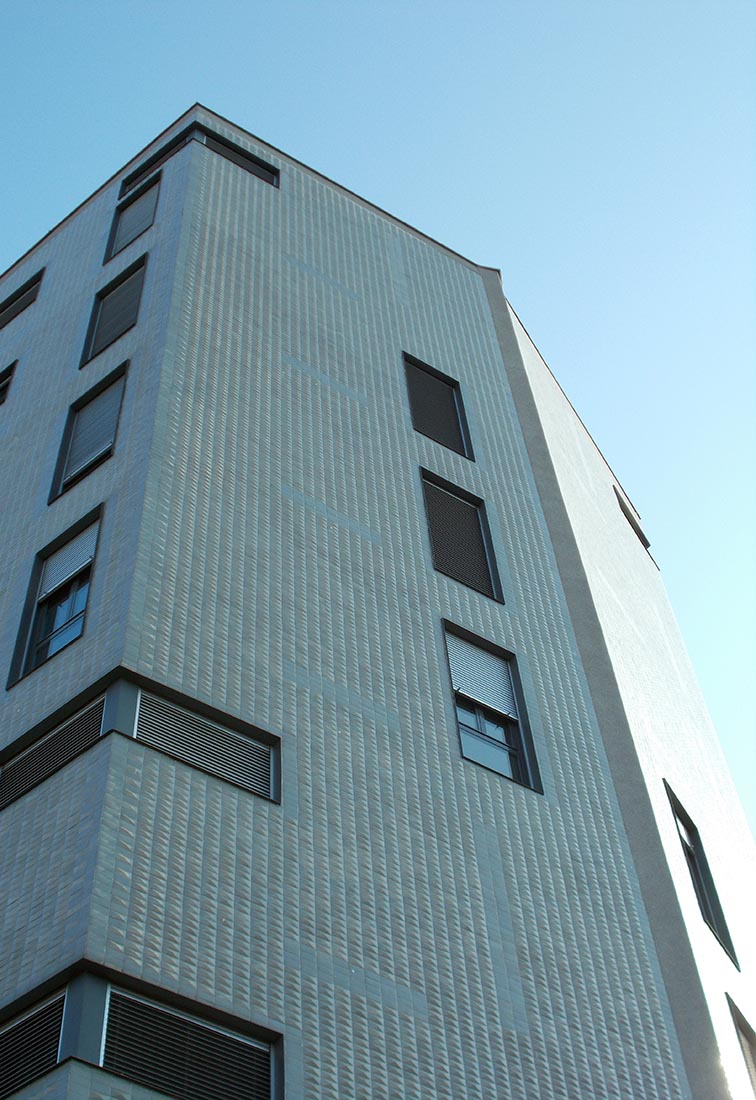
(348, 746)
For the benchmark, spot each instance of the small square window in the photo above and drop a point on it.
(57, 603)
(459, 535)
(133, 217)
(20, 299)
(436, 406)
(6, 377)
(698, 867)
(492, 728)
(90, 432)
(115, 310)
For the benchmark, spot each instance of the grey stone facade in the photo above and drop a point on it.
(411, 924)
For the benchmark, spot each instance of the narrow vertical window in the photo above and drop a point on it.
(492, 730)
(698, 867)
(115, 310)
(133, 217)
(90, 432)
(459, 535)
(436, 406)
(6, 377)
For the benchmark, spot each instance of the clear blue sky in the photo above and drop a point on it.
(600, 153)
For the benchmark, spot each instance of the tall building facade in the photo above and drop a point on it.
(348, 748)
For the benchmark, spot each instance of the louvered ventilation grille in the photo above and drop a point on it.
(30, 1048)
(457, 540)
(46, 756)
(205, 745)
(182, 1058)
(434, 408)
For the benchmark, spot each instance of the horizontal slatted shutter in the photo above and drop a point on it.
(183, 1058)
(94, 430)
(118, 311)
(481, 675)
(204, 744)
(457, 540)
(29, 1048)
(68, 561)
(134, 219)
(435, 411)
(46, 756)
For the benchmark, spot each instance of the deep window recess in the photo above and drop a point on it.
(29, 1046)
(90, 432)
(18, 301)
(115, 310)
(492, 730)
(459, 535)
(6, 377)
(747, 1039)
(627, 512)
(698, 866)
(182, 1057)
(221, 145)
(133, 217)
(436, 406)
(55, 616)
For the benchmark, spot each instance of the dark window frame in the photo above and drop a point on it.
(746, 1038)
(520, 733)
(88, 353)
(6, 377)
(21, 663)
(60, 483)
(429, 478)
(133, 196)
(217, 143)
(411, 363)
(700, 874)
(20, 299)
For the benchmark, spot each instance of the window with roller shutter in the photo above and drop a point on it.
(57, 601)
(436, 406)
(115, 310)
(133, 217)
(459, 535)
(492, 726)
(90, 432)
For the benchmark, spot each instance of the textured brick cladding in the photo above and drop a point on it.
(415, 925)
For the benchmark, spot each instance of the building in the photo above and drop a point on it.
(349, 748)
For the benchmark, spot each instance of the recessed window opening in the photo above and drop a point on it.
(90, 432)
(133, 217)
(436, 406)
(460, 537)
(21, 299)
(6, 377)
(115, 310)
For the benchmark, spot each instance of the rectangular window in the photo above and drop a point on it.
(133, 217)
(89, 435)
(492, 730)
(6, 377)
(698, 866)
(18, 301)
(747, 1039)
(115, 310)
(54, 615)
(436, 406)
(459, 535)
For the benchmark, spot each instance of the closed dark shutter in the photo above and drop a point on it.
(46, 756)
(29, 1048)
(94, 429)
(116, 311)
(436, 407)
(20, 299)
(183, 1058)
(459, 537)
(204, 744)
(132, 219)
